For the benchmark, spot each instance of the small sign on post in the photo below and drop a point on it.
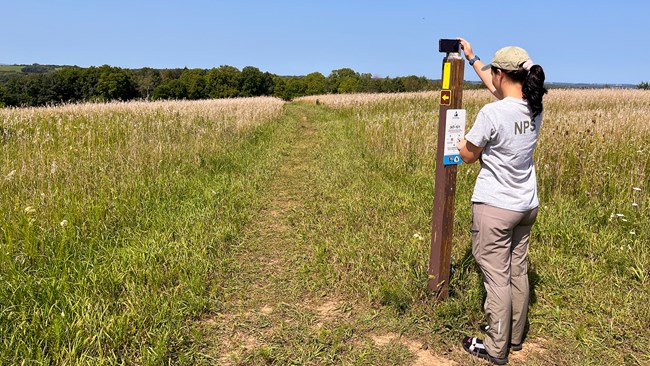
(454, 132)
(451, 129)
(445, 97)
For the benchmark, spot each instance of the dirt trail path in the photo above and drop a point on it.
(263, 300)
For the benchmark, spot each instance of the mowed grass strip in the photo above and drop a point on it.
(117, 221)
(286, 304)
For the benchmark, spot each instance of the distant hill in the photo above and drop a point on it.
(11, 68)
(27, 69)
(590, 86)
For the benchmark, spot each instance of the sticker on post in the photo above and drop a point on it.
(454, 132)
(445, 97)
(446, 75)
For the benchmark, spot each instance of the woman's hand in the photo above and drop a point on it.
(485, 76)
(467, 48)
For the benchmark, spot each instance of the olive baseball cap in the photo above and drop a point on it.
(508, 58)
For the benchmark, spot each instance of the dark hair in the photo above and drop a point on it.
(532, 86)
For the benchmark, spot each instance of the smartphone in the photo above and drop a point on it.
(449, 45)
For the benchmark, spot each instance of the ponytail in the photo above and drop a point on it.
(534, 90)
(532, 85)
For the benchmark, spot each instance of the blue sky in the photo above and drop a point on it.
(575, 41)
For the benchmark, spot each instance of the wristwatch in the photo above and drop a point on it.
(474, 59)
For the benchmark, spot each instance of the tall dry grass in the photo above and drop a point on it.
(56, 141)
(587, 135)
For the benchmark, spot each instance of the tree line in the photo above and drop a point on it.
(38, 85)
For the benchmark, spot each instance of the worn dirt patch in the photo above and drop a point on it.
(266, 309)
(237, 346)
(423, 357)
(328, 309)
(535, 346)
(384, 339)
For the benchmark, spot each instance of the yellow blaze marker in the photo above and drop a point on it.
(446, 75)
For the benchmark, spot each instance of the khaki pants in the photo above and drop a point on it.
(500, 247)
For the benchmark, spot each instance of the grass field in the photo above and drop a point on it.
(11, 69)
(252, 231)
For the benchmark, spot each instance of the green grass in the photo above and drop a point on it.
(109, 252)
(304, 238)
(11, 69)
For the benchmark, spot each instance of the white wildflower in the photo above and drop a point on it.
(632, 232)
(10, 175)
(636, 189)
(624, 220)
(63, 223)
(620, 215)
(418, 236)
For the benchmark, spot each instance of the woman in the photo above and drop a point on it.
(504, 202)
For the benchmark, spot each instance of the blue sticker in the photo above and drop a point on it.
(452, 160)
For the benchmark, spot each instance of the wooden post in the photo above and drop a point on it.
(445, 182)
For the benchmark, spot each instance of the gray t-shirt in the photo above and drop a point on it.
(508, 136)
